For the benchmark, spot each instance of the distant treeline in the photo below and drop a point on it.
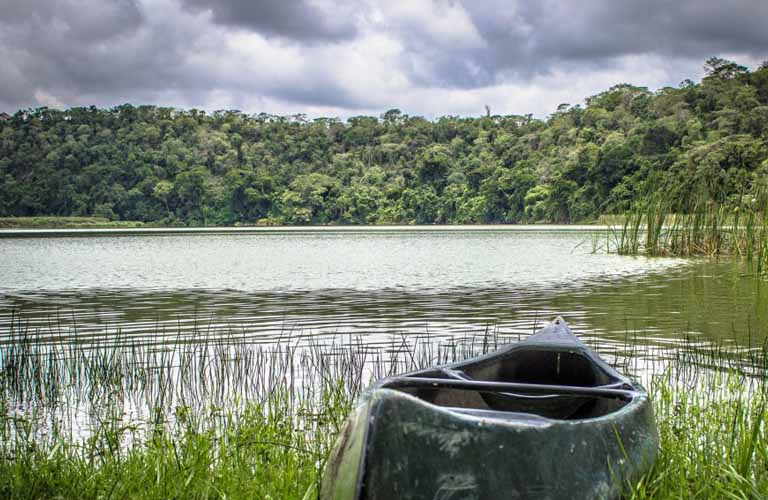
(168, 166)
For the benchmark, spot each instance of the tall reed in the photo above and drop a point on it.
(699, 227)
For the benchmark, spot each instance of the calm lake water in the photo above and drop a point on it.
(370, 285)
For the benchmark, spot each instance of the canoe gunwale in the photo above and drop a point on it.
(556, 337)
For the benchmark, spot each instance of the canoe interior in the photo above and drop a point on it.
(532, 366)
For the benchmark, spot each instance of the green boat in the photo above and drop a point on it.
(544, 418)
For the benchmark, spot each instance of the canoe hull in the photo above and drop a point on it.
(422, 453)
(397, 445)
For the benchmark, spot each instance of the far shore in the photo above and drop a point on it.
(12, 226)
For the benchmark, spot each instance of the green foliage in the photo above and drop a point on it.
(64, 223)
(712, 436)
(252, 454)
(535, 202)
(177, 167)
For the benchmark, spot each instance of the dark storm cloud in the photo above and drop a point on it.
(694, 28)
(70, 47)
(81, 52)
(526, 38)
(289, 19)
(85, 21)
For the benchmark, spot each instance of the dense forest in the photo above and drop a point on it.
(169, 166)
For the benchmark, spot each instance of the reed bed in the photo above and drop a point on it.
(225, 417)
(703, 227)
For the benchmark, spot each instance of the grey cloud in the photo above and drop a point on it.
(527, 38)
(107, 53)
(324, 92)
(56, 43)
(14, 90)
(76, 20)
(607, 28)
(63, 43)
(289, 19)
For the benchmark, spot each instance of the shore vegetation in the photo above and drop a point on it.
(65, 223)
(228, 418)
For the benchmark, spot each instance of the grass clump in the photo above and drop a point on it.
(56, 222)
(713, 436)
(251, 456)
(705, 227)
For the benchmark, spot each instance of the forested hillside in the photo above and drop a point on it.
(171, 166)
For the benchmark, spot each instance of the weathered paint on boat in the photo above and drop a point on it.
(458, 431)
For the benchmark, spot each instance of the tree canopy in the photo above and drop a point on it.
(189, 167)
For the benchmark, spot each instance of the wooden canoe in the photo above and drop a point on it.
(544, 418)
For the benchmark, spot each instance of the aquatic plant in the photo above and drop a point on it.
(701, 227)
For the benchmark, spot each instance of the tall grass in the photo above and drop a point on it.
(713, 436)
(703, 227)
(227, 418)
(56, 222)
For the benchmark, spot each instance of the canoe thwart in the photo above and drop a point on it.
(486, 386)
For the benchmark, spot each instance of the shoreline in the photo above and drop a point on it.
(137, 231)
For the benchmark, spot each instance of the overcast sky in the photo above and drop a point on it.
(344, 58)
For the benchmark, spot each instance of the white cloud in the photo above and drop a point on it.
(48, 100)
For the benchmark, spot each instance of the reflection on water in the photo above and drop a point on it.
(312, 260)
(181, 303)
(371, 284)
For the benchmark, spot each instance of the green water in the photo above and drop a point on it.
(367, 284)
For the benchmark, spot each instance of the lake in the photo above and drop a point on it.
(366, 285)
